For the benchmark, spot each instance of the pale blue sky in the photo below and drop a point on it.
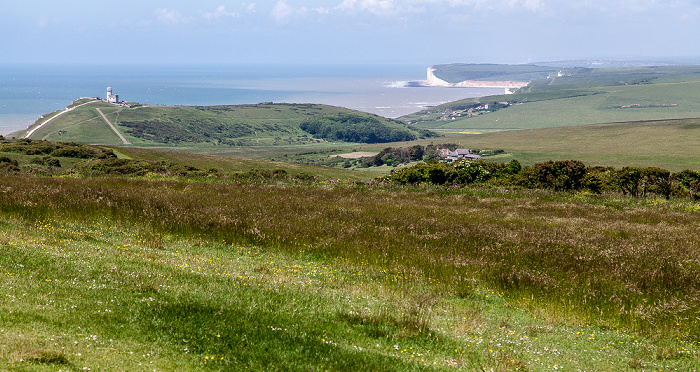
(346, 31)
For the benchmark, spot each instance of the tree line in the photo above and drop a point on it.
(566, 175)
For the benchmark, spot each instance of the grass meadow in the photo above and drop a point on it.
(594, 105)
(119, 274)
(668, 144)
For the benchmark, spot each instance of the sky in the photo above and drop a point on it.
(346, 31)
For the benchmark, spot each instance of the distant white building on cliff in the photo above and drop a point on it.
(112, 98)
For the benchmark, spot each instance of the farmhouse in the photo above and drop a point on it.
(458, 154)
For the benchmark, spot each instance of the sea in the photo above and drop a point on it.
(389, 90)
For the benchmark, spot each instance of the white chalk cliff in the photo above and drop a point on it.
(434, 81)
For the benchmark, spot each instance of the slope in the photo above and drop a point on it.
(669, 144)
(575, 97)
(264, 124)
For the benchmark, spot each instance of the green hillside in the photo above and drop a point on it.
(669, 144)
(199, 275)
(77, 159)
(265, 124)
(579, 96)
(456, 72)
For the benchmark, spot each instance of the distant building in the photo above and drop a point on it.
(458, 154)
(112, 98)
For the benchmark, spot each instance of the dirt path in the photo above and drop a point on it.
(124, 141)
(55, 116)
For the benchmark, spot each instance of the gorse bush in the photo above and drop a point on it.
(56, 149)
(568, 175)
(8, 165)
(462, 172)
(560, 175)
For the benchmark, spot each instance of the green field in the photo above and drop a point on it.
(456, 72)
(669, 144)
(113, 273)
(585, 97)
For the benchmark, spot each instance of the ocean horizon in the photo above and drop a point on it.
(28, 91)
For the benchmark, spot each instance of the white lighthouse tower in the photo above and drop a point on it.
(112, 98)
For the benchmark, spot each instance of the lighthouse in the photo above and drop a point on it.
(112, 98)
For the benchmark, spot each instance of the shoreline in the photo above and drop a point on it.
(434, 81)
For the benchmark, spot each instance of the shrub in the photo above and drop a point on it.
(53, 162)
(461, 172)
(658, 181)
(57, 149)
(628, 179)
(560, 175)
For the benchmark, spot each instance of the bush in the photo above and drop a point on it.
(8, 165)
(53, 162)
(564, 175)
(461, 172)
(57, 149)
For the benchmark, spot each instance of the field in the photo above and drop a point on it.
(578, 99)
(456, 72)
(135, 275)
(668, 144)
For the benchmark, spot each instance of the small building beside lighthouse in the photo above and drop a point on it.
(112, 98)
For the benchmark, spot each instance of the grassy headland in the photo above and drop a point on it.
(211, 127)
(457, 72)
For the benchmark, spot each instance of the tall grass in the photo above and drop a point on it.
(608, 262)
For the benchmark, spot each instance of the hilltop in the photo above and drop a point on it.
(465, 74)
(264, 124)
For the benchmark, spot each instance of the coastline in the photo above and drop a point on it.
(434, 81)
(379, 90)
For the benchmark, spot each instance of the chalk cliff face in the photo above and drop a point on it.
(434, 81)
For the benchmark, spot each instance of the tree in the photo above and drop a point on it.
(628, 179)
(560, 175)
(689, 180)
(657, 180)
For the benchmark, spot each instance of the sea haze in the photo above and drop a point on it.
(28, 91)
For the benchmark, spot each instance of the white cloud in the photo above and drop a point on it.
(221, 12)
(374, 6)
(250, 8)
(494, 5)
(168, 16)
(283, 12)
(397, 8)
(533, 5)
(385, 8)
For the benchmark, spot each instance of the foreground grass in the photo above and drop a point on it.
(116, 274)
